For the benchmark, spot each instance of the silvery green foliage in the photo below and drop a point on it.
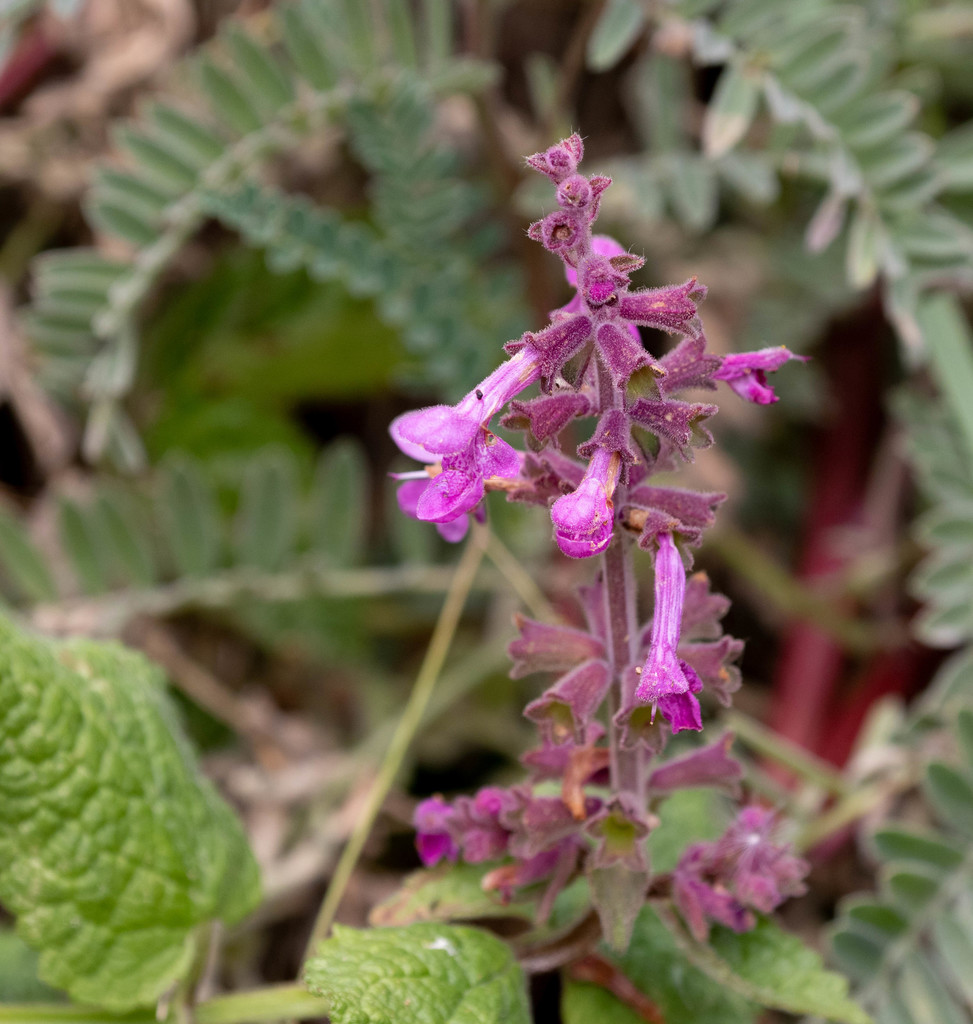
(820, 78)
(909, 947)
(422, 974)
(113, 848)
(164, 544)
(372, 73)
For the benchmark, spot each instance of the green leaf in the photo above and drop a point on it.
(197, 142)
(865, 241)
(228, 99)
(266, 526)
(339, 502)
(693, 191)
(877, 118)
(950, 345)
(619, 26)
(731, 111)
(22, 562)
(683, 994)
(83, 546)
(901, 844)
(18, 972)
(266, 83)
(190, 517)
(587, 1004)
(302, 46)
(422, 974)
(951, 793)
(112, 848)
(773, 968)
(687, 816)
(157, 160)
(449, 892)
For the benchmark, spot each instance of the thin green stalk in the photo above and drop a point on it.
(521, 582)
(412, 715)
(765, 741)
(259, 1006)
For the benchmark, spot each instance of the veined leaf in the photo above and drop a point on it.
(112, 848)
(229, 101)
(264, 80)
(302, 46)
(422, 974)
(196, 142)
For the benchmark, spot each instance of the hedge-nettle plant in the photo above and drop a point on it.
(621, 685)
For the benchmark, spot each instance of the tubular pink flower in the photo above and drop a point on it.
(746, 372)
(666, 681)
(432, 819)
(456, 437)
(583, 520)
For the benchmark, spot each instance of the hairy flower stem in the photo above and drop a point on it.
(621, 622)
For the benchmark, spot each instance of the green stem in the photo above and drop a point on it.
(278, 1002)
(520, 580)
(758, 737)
(262, 1005)
(412, 715)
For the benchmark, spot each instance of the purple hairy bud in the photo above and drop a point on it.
(561, 160)
(623, 355)
(583, 520)
(574, 193)
(746, 372)
(432, 821)
(670, 309)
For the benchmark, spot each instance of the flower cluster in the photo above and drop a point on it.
(600, 721)
(743, 871)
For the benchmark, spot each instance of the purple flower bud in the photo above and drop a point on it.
(623, 354)
(746, 372)
(432, 819)
(700, 901)
(541, 822)
(553, 346)
(478, 827)
(688, 366)
(574, 193)
(559, 231)
(542, 647)
(671, 309)
(600, 281)
(583, 520)
(678, 422)
(561, 160)
(545, 417)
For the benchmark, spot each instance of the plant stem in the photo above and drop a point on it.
(262, 1005)
(520, 579)
(412, 715)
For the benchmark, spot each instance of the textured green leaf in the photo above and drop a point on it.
(954, 158)
(118, 218)
(954, 946)
(18, 972)
(897, 159)
(731, 110)
(950, 344)
(926, 995)
(21, 562)
(693, 191)
(877, 118)
(618, 27)
(858, 955)
(112, 848)
(266, 526)
(865, 243)
(964, 733)
(123, 525)
(682, 992)
(911, 890)
(448, 892)
(422, 974)
(775, 969)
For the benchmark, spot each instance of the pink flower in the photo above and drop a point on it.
(746, 372)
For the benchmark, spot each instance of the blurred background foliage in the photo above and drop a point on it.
(237, 238)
